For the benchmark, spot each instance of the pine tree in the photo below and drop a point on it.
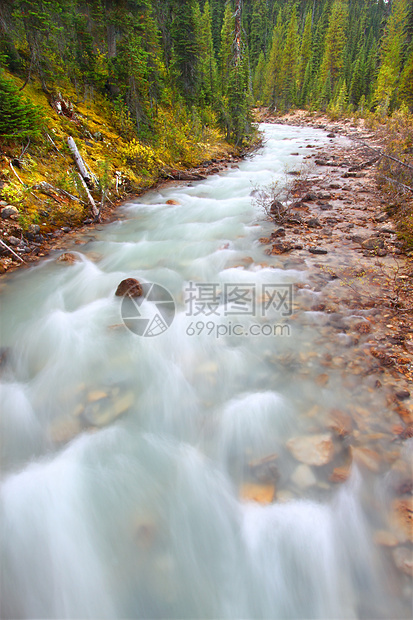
(225, 51)
(305, 55)
(184, 56)
(19, 118)
(385, 94)
(406, 81)
(272, 91)
(259, 79)
(290, 63)
(258, 36)
(207, 62)
(331, 69)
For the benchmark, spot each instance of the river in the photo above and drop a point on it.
(137, 435)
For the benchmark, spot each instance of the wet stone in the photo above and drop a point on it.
(312, 449)
(8, 211)
(260, 493)
(303, 477)
(129, 287)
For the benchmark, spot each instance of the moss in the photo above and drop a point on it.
(175, 143)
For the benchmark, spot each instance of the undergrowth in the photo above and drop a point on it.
(118, 160)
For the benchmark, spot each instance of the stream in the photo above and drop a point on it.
(155, 458)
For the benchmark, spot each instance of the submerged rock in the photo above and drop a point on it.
(261, 493)
(312, 449)
(68, 257)
(303, 477)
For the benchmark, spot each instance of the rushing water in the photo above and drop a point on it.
(125, 458)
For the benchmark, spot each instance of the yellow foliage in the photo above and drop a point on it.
(138, 154)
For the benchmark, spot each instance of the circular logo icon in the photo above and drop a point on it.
(151, 313)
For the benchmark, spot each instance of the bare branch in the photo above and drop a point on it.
(12, 251)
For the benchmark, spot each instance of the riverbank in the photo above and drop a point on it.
(339, 226)
(26, 249)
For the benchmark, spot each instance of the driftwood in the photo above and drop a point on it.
(94, 208)
(12, 251)
(79, 162)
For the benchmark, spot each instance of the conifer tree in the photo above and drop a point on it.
(259, 79)
(290, 63)
(305, 55)
(385, 94)
(273, 79)
(331, 69)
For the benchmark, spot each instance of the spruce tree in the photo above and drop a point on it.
(331, 69)
(385, 94)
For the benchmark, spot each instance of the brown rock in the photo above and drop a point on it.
(261, 493)
(68, 257)
(172, 202)
(64, 429)
(312, 449)
(374, 243)
(340, 474)
(340, 423)
(366, 457)
(322, 380)
(402, 517)
(265, 470)
(129, 287)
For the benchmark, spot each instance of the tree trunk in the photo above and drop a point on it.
(79, 161)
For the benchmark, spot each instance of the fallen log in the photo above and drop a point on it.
(182, 175)
(94, 209)
(79, 162)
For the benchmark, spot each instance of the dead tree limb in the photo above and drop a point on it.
(46, 188)
(11, 166)
(94, 208)
(12, 251)
(79, 161)
(410, 189)
(382, 154)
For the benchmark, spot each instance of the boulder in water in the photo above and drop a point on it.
(130, 288)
